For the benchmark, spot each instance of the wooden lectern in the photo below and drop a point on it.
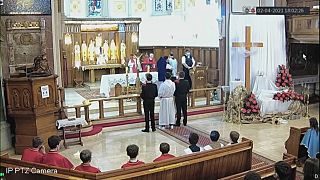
(32, 102)
(199, 79)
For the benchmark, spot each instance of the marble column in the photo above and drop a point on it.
(4, 126)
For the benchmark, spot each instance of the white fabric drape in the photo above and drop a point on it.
(270, 30)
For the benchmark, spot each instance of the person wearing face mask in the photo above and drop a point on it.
(188, 63)
(174, 65)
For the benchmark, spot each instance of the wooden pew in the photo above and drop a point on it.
(212, 164)
(293, 143)
(267, 171)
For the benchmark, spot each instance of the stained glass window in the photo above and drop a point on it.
(95, 7)
(161, 7)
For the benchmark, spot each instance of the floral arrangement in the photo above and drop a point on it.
(287, 96)
(250, 105)
(284, 78)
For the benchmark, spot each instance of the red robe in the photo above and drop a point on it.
(53, 158)
(87, 168)
(149, 62)
(163, 157)
(32, 155)
(134, 65)
(131, 164)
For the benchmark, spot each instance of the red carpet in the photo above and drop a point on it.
(97, 128)
(182, 133)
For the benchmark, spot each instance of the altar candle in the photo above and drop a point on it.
(126, 70)
(148, 68)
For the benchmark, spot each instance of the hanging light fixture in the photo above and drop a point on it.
(134, 37)
(67, 39)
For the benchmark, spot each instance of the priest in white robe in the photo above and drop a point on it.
(167, 109)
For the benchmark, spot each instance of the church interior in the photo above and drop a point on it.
(74, 75)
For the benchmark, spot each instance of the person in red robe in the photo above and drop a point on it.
(149, 61)
(132, 152)
(35, 153)
(85, 157)
(53, 158)
(132, 64)
(164, 148)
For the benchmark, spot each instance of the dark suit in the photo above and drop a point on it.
(149, 92)
(182, 90)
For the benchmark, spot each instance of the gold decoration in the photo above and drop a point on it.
(140, 6)
(119, 6)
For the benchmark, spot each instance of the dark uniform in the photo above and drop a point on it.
(148, 94)
(189, 62)
(182, 90)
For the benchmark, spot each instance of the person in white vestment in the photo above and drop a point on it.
(167, 110)
(174, 64)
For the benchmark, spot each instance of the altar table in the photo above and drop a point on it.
(264, 89)
(110, 80)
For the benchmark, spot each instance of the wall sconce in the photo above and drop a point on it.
(67, 39)
(134, 37)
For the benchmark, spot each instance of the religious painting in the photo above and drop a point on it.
(75, 7)
(161, 7)
(95, 7)
(178, 5)
(139, 6)
(25, 7)
(119, 7)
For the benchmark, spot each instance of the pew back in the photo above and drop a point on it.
(293, 143)
(267, 171)
(212, 164)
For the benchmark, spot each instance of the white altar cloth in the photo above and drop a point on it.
(110, 80)
(264, 89)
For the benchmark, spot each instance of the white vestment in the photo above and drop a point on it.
(167, 110)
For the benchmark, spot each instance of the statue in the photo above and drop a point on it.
(91, 51)
(122, 52)
(98, 40)
(106, 50)
(113, 51)
(77, 52)
(40, 67)
(84, 50)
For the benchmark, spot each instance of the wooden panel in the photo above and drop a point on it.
(207, 55)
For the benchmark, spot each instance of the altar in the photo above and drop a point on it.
(96, 46)
(110, 80)
(264, 89)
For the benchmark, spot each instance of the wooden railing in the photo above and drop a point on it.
(120, 100)
(192, 95)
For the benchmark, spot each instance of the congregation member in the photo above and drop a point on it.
(193, 140)
(53, 158)
(181, 93)
(132, 152)
(311, 138)
(35, 153)
(252, 176)
(311, 169)
(167, 109)
(148, 94)
(188, 63)
(164, 149)
(174, 64)
(85, 157)
(283, 171)
(214, 136)
(234, 137)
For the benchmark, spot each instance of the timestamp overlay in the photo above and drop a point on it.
(282, 10)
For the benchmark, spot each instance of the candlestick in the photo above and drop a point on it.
(148, 68)
(126, 70)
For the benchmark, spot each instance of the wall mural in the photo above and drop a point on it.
(25, 7)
